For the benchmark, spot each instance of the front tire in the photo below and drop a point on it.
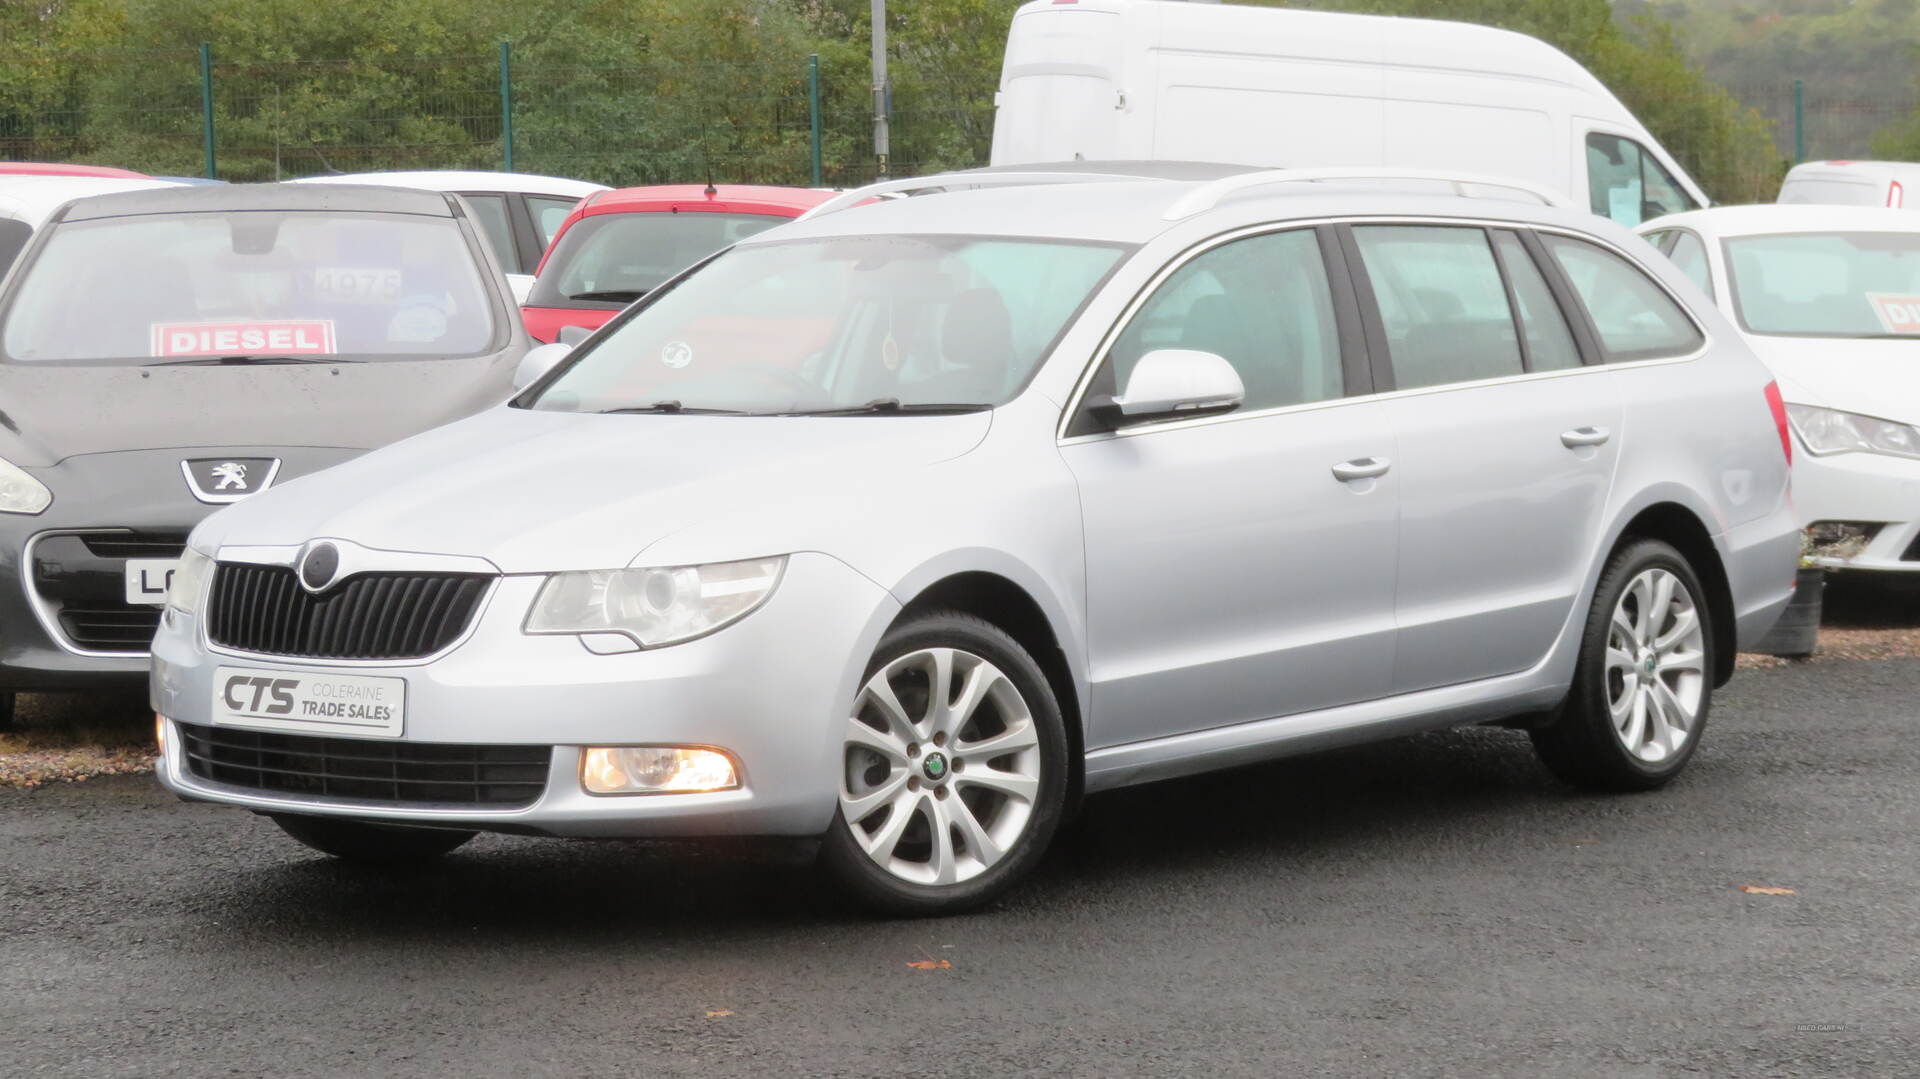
(371, 844)
(1644, 683)
(954, 769)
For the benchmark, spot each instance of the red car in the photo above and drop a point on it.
(617, 245)
(44, 168)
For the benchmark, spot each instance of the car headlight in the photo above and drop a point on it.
(189, 581)
(1826, 430)
(20, 492)
(654, 606)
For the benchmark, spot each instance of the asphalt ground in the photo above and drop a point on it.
(1432, 906)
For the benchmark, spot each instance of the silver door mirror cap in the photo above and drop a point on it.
(537, 362)
(573, 335)
(1172, 382)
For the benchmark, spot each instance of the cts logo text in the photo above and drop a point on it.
(276, 693)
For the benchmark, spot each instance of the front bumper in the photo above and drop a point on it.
(772, 690)
(139, 494)
(1864, 487)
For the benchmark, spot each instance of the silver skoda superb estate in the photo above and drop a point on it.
(909, 523)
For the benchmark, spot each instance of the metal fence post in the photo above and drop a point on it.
(813, 110)
(206, 105)
(506, 102)
(1799, 123)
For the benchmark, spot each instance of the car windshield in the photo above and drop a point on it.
(614, 259)
(860, 323)
(202, 287)
(1828, 284)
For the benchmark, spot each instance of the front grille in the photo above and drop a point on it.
(80, 580)
(367, 616)
(135, 544)
(368, 772)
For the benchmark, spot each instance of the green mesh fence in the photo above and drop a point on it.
(644, 123)
(656, 120)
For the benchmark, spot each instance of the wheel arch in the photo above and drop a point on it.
(1682, 528)
(1009, 605)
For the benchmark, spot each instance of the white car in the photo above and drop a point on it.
(1829, 297)
(1852, 183)
(519, 212)
(27, 201)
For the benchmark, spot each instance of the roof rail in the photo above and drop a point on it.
(954, 181)
(1210, 195)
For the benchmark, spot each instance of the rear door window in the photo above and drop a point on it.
(1634, 318)
(13, 238)
(1628, 184)
(547, 214)
(1442, 302)
(490, 211)
(1688, 253)
(1549, 342)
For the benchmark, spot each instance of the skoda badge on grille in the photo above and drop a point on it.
(319, 564)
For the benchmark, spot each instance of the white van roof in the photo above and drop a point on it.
(461, 180)
(1340, 37)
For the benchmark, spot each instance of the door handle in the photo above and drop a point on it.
(1584, 436)
(1361, 468)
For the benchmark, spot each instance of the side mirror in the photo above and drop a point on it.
(573, 335)
(1172, 382)
(537, 362)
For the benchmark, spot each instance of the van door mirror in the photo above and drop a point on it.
(573, 335)
(537, 362)
(1179, 382)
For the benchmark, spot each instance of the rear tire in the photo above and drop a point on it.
(371, 844)
(1644, 681)
(954, 772)
(7, 703)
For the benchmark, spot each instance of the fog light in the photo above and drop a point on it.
(655, 770)
(1844, 540)
(161, 725)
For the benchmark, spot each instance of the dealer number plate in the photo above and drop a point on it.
(340, 704)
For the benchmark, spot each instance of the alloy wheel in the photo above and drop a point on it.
(1655, 666)
(942, 766)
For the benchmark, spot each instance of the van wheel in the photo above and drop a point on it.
(374, 844)
(1644, 684)
(7, 699)
(953, 769)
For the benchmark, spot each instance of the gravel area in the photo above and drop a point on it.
(68, 737)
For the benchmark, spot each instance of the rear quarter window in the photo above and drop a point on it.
(1634, 318)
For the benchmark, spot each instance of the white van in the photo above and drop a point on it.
(1115, 80)
(1852, 183)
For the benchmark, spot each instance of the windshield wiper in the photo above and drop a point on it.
(673, 408)
(888, 406)
(613, 295)
(246, 361)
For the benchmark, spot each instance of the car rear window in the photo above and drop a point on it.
(614, 259)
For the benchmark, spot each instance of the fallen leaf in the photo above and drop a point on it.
(930, 964)
(719, 1014)
(1755, 889)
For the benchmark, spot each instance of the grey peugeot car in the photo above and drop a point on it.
(167, 352)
